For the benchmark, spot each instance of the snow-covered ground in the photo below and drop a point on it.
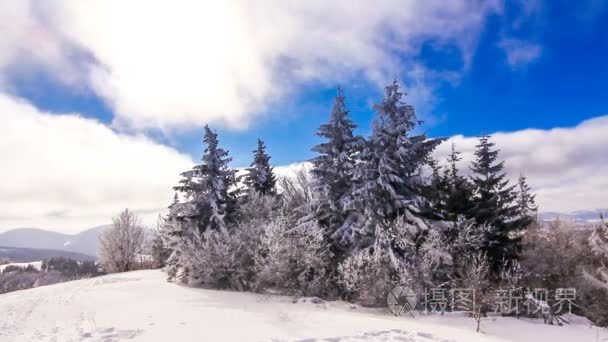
(142, 306)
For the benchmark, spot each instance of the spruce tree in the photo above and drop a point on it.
(459, 189)
(493, 205)
(334, 167)
(158, 249)
(437, 190)
(526, 205)
(172, 234)
(260, 175)
(390, 183)
(395, 157)
(207, 187)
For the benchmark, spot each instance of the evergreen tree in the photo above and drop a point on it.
(207, 187)
(333, 169)
(526, 205)
(389, 178)
(260, 176)
(493, 205)
(159, 251)
(459, 189)
(437, 189)
(173, 233)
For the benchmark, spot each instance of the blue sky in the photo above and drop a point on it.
(561, 87)
(270, 70)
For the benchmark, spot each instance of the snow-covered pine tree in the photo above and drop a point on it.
(334, 167)
(173, 232)
(389, 180)
(526, 205)
(260, 175)
(459, 189)
(207, 187)
(493, 205)
(160, 253)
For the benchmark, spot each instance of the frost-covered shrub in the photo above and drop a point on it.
(367, 277)
(473, 273)
(256, 207)
(402, 254)
(563, 257)
(594, 287)
(225, 258)
(293, 258)
(513, 275)
(297, 192)
(553, 256)
(598, 241)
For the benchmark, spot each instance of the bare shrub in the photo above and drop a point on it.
(122, 243)
(473, 273)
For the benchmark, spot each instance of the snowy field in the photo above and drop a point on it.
(142, 306)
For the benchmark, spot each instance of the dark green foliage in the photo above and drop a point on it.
(437, 189)
(458, 201)
(493, 205)
(526, 205)
(260, 176)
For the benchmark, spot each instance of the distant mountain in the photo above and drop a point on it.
(15, 254)
(84, 242)
(580, 216)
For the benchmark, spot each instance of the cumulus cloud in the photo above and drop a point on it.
(66, 172)
(519, 53)
(27, 39)
(172, 64)
(69, 173)
(565, 166)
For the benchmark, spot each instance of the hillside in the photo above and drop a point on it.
(84, 242)
(142, 306)
(16, 254)
(580, 216)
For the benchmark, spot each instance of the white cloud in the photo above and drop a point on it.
(68, 173)
(565, 166)
(519, 53)
(173, 64)
(292, 169)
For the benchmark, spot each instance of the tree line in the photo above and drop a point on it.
(365, 217)
(358, 188)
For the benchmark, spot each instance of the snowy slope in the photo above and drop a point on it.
(142, 306)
